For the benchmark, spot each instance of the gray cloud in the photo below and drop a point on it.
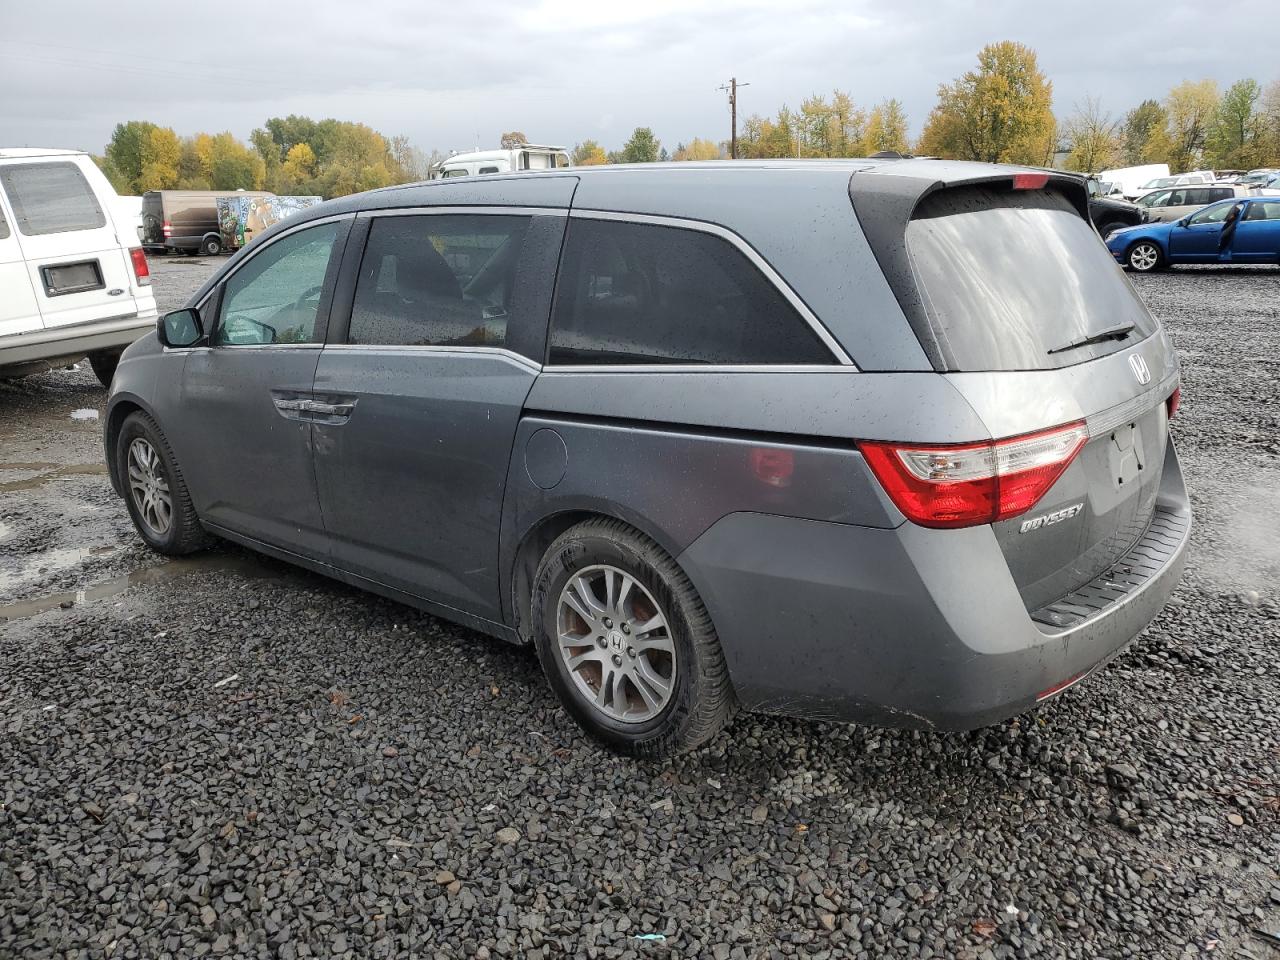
(454, 75)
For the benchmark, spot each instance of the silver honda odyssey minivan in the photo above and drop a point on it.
(871, 440)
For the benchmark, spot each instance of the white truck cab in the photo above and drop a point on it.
(73, 278)
(527, 156)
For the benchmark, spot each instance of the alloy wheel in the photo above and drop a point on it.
(1144, 257)
(149, 487)
(616, 644)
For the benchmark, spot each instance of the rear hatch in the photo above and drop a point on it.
(1018, 303)
(78, 268)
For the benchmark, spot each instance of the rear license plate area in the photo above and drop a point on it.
(63, 278)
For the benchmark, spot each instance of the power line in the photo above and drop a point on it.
(732, 86)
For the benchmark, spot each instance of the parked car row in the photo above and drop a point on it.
(1238, 230)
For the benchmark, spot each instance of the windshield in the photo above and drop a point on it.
(1160, 182)
(1006, 276)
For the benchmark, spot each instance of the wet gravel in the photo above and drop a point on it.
(233, 758)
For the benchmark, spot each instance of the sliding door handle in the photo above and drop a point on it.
(328, 409)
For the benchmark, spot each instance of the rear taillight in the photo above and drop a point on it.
(141, 271)
(963, 485)
(167, 228)
(1174, 401)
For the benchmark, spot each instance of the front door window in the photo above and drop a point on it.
(275, 297)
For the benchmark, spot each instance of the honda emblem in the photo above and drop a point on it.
(1139, 367)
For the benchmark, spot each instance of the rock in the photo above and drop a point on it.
(444, 878)
(508, 835)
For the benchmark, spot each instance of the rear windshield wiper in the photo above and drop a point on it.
(1118, 332)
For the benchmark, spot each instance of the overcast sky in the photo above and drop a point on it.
(455, 75)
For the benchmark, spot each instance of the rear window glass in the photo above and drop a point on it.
(51, 198)
(1009, 276)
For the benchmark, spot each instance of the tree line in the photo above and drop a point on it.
(1000, 111)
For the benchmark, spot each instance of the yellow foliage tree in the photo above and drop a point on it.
(1001, 113)
(161, 152)
(1190, 106)
(298, 169)
(886, 129)
(589, 154)
(697, 149)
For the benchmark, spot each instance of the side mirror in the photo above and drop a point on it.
(181, 328)
(1184, 221)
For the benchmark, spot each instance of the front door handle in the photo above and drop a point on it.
(303, 408)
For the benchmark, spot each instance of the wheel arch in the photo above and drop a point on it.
(539, 534)
(117, 412)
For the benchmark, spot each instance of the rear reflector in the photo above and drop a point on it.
(1174, 401)
(141, 271)
(1057, 688)
(965, 485)
(1030, 181)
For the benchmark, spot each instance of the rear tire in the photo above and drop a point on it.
(1107, 229)
(641, 690)
(155, 490)
(104, 363)
(211, 246)
(1144, 257)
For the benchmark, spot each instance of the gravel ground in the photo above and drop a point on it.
(227, 756)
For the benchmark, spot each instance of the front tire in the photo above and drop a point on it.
(155, 490)
(1144, 257)
(627, 644)
(104, 363)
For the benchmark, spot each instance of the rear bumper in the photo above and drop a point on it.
(910, 626)
(59, 343)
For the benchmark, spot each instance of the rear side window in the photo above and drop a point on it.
(438, 280)
(1263, 210)
(634, 293)
(1008, 276)
(4, 227)
(51, 198)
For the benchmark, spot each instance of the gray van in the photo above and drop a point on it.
(866, 440)
(1166, 206)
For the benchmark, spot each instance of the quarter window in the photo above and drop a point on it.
(275, 297)
(438, 280)
(51, 198)
(633, 293)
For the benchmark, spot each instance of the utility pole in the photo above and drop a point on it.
(732, 86)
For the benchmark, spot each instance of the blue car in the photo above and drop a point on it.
(1241, 230)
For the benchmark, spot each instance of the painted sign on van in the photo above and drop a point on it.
(240, 219)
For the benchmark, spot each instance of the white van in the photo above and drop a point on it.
(73, 277)
(527, 156)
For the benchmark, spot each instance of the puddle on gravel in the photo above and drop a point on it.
(52, 471)
(246, 566)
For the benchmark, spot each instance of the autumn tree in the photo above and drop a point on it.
(1191, 107)
(588, 154)
(1093, 138)
(1236, 137)
(1145, 134)
(643, 147)
(1270, 113)
(886, 129)
(118, 181)
(1001, 112)
(129, 151)
(698, 149)
(512, 139)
